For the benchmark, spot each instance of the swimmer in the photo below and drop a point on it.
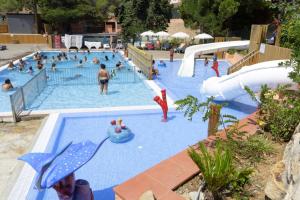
(76, 76)
(119, 65)
(30, 70)
(96, 60)
(85, 59)
(7, 85)
(53, 67)
(11, 65)
(39, 65)
(106, 58)
(80, 64)
(206, 61)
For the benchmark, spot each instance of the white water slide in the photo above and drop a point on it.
(229, 87)
(187, 67)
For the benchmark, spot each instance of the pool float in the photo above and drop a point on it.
(118, 132)
(161, 64)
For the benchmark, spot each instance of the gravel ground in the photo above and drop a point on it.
(16, 139)
(15, 51)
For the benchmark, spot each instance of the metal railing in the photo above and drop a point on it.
(25, 95)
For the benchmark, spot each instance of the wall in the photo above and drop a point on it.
(274, 53)
(21, 23)
(24, 38)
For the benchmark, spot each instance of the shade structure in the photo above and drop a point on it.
(162, 34)
(203, 36)
(180, 35)
(147, 33)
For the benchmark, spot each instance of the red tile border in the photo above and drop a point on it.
(172, 172)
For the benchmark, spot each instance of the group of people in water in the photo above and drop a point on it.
(102, 77)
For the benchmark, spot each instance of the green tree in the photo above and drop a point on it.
(60, 13)
(10, 5)
(158, 15)
(218, 17)
(106, 8)
(208, 15)
(137, 16)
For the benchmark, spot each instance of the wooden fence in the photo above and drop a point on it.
(24, 38)
(226, 39)
(3, 28)
(141, 59)
(274, 53)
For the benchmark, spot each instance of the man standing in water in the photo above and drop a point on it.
(103, 78)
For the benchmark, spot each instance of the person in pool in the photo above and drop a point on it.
(106, 58)
(72, 77)
(30, 70)
(7, 85)
(96, 60)
(11, 65)
(103, 78)
(53, 67)
(79, 64)
(205, 61)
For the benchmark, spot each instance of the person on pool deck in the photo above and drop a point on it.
(7, 85)
(103, 78)
(205, 62)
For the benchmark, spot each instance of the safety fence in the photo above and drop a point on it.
(89, 76)
(25, 95)
(141, 59)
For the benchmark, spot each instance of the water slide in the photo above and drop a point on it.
(187, 67)
(229, 87)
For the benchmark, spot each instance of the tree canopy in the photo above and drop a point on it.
(137, 16)
(218, 17)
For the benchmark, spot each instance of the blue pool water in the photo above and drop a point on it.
(126, 88)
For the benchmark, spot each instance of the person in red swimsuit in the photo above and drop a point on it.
(216, 68)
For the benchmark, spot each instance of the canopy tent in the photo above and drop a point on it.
(203, 36)
(162, 34)
(147, 33)
(180, 35)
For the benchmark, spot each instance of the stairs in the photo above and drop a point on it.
(250, 59)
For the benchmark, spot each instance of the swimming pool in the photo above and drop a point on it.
(113, 164)
(76, 87)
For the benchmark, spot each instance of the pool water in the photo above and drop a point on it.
(66, 91)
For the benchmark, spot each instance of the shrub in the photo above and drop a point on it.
(218, 170)
(231, 51)
(279, 111)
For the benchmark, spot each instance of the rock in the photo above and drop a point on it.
(284, 183)
(148, 195)
(193, 195)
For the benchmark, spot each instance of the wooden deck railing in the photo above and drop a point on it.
(250, 59)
